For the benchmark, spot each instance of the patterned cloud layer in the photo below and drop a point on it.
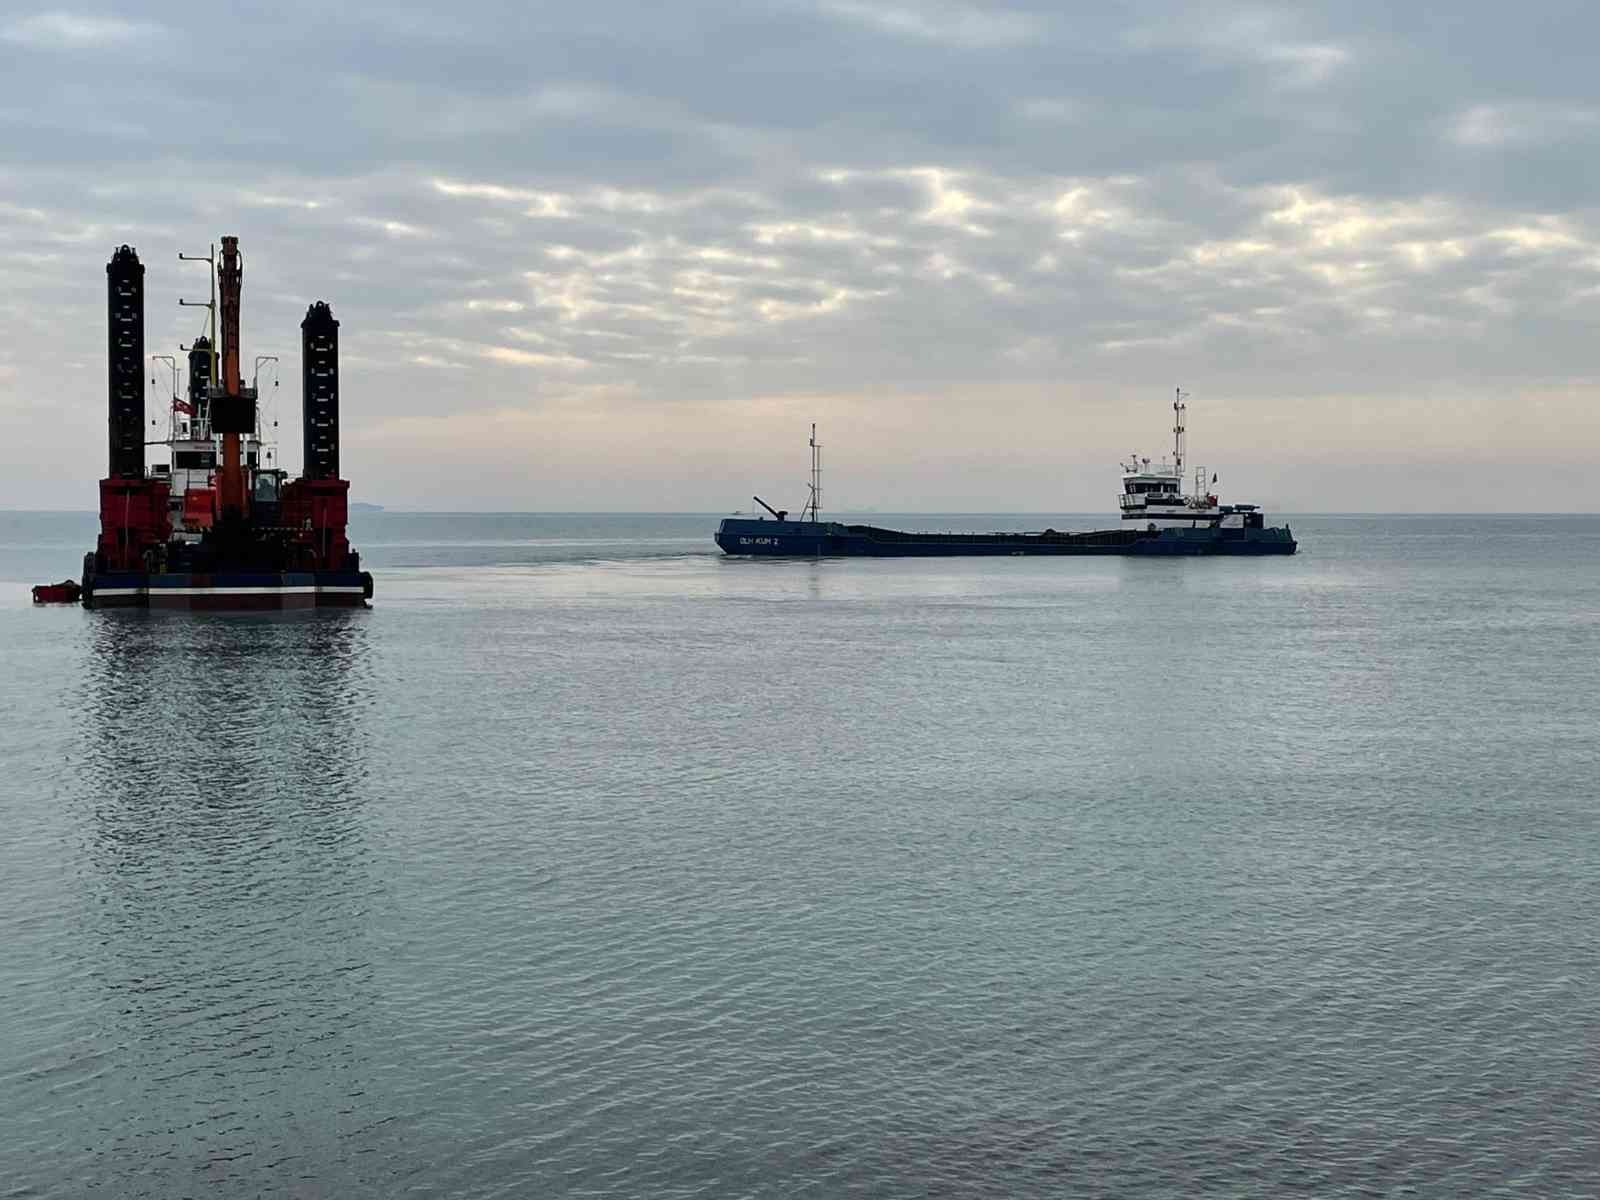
(617, 256)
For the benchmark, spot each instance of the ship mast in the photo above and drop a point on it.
(202, 358)
(172, 408)
(1179, 408)
(814, 504)
(211, 304)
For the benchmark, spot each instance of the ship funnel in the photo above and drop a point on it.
(319, 391)
(125, 363)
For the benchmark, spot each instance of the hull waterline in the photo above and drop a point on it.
(229, 591)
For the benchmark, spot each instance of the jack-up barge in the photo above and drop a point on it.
(216, 527)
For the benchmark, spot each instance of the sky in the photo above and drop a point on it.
(619, 256)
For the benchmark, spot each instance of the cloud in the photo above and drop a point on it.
(1269, 38)
(511, 356)
(920, 219)
(76, 31)
(1496, 126)
(950, 24)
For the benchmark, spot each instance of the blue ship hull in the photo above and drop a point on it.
(832, 539)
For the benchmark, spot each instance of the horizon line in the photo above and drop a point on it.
(386, 510)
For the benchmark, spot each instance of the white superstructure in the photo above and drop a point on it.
(194, 451)
(1153, 495)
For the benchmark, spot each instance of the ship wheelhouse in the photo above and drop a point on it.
(1152, 494)
(194, 452)
(1145, 484)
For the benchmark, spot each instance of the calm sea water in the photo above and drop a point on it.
(588, 862)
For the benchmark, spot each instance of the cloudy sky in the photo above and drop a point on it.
(612, 255)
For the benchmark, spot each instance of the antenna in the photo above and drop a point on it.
(172, 408)
(211, 304)
(814, 504)
(1179, 408)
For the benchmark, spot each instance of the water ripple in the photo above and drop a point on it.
(673, 877)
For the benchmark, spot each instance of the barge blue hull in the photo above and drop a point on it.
(227, 590)
(832, 539)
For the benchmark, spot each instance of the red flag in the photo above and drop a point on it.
(182, 406)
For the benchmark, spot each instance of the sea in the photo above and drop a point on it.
(589, 862)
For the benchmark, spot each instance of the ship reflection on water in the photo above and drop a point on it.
(228, 893)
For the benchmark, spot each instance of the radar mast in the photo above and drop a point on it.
(1179, 408)
(814, 504)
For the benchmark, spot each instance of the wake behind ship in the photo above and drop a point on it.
(216, 526)
(1158, 519)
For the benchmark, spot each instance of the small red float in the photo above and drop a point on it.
(65, 592)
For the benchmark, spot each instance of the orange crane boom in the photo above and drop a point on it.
(231, 489)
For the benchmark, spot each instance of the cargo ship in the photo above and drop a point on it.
(218, 525)
(1158, 519)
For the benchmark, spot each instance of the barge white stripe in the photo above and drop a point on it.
(304, 590)
(226, 591)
